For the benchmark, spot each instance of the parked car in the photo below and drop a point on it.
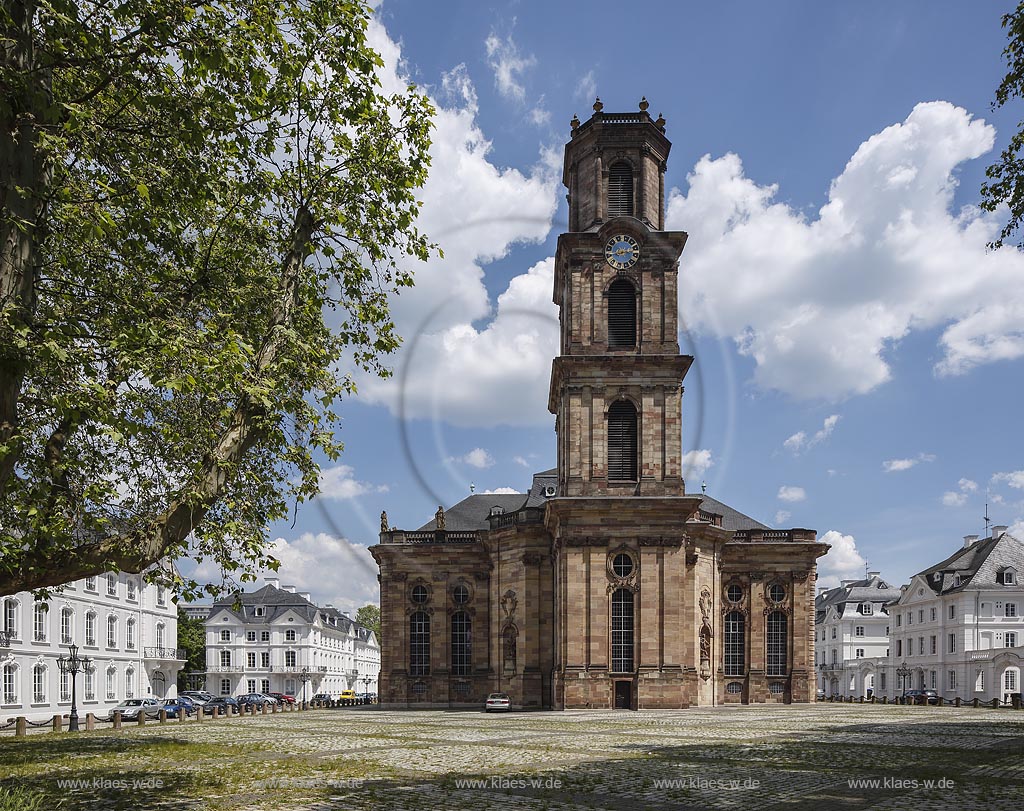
(130, 707)
(498, 702)
(914, 696)
(175, 707)
(821, 694)
(221, 703)
(258, 699)
(347, 698)
(197, 696)
(322, 697)
(283, 698)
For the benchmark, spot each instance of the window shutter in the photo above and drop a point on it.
(622, 444)
(621, 315)
(620, 190)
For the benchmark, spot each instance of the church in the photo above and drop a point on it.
(607, 585)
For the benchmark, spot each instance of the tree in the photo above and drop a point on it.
(1006, 177)
(203, 209)
(369, 617)
(192, 639)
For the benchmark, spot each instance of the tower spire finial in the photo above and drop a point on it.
(643, 104)
(598, 105)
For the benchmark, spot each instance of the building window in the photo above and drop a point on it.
(264, 636)
(111, 683)
(10, 684)
(11, 618)
(735, 593)
(899, 647)
(952, 679)
(159, 634)
(258, 611)
(111, 632)
(225, 687)
(40, 615)
(129, 634)
(129, 683)
(289, 635)
(881, 680)
(1011, 639)
(979, 682)
(860, 653)
(858, 631)
(420, 595)
(1011, 610)
(622, 441)
(620, 190)
(920, 645)
(776, 688)
(952, 612)
(1010, 680)
(920, 615)
(934, 649)
(622, 631)
(462, 646)
(833, 632)
(910, 618)
(225, 658)
(777, 644)
(865, 608)
(66, 621)
(265, 659)
(910, 646)
(899, 620)
(933, 679)
(161, 595)
(952, 643)
(90, 685)
(90, 584)
(735, 643)
(933, 615)
(460, 594)
(90, 628)
(289, 658)
(39, 684)
(1009, 578)
(419, 642)
(776, 593)
(130, 585)
(835, 655)
(225, 635)
(250, 660)
(621, 315)
(265, 685)
(622, 565)
(112, 585)
(734, 687)
(251, 685)
(250, 636)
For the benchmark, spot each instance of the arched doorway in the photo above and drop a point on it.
(159, 684)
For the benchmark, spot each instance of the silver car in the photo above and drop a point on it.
(130, 708)
(498, 702)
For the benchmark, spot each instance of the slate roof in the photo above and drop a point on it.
(277, 602)
(732, 520)
(976, 565)
(872, 590)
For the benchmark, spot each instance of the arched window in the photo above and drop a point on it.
(40, 615)
(159, 634)
(621, 315)
(620, 190)
(777, 644)
(1011, 680)
(11, 618)
(111, 631)
(735, 643)
(419, 644)
(90, 628)
(10, 684)
(622, 631)
(111, 682)
(462, 644)
(129, 634)
(90, 683)
(129, 683)
(39, 684)
(66, 621)
(622, 444)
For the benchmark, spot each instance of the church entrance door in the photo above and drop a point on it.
(623, 695)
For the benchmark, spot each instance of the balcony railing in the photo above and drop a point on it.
(531, 515)
(429, 536)
(164, 653)
(225, 668)
(711, 518)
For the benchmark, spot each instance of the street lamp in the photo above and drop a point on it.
(74, 665)
(304, 678)
(903, 671)
(366, 688)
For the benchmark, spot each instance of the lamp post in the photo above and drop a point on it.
(74, 665)
(304, 678)
(366, 689)
(903, 671)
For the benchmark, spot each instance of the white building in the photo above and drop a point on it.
(127, 628)
(852, 623)
(957, 626)
(265, 643)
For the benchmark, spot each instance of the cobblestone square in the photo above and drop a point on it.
(792, 757)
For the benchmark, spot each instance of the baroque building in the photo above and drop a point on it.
(607, 585)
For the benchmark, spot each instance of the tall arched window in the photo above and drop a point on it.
(90, 628)
(419, 644)
(66, 625)
(622, 444)
(622, 631)
(620, 190)
(735, 644)
(129, 634)
(462, 644)
(129, 683)
(621, 315)
(10, 684)
(778, 627)
(11, 617)
(39, 684)
(40, 615)
(111, 631)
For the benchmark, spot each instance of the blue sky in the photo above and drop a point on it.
(860, 356)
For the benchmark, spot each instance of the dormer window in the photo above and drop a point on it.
(620, 190)
(258, 611)
(865, 608)
(1007, 576)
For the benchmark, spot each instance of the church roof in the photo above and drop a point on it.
(732, 520)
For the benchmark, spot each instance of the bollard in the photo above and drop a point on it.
(216, 712)
(21, 726)
(1015, 701)
(975, 702)
(860, 699)
(264, 709)
(995, 703)
(162, 715)
(956, 701)
(182, 715)
(58, 723)
(941, 699)
(140, 719)
(117, 719)
(200, 713)
(90, 722)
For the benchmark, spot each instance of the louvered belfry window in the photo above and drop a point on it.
(620, 190)
(621, 315)
(622, 441)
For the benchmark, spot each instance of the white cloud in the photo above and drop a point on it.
(539, 115)
(951, 498)
(819, 303)
(509, 491)
(897, 465)
(338, 483)
(476, 211)
(1017, 530)
(1014, 479)
(305, 559)
(792, 494)
(508, 65)
(479, 458)
(781, 517)
(696, 463)
(519, 460)
(800, 441)
(968, 486)
(842, 562)
(586, 88)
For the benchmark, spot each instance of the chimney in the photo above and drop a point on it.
(273, 581)
(999, 530)
(290, 589)
(874, 574)
(969, 539)
(304, 595)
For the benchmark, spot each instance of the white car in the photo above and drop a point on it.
(498, 702)
(198, 696)
(130, 707)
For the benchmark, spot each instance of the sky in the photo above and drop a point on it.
(859, 353)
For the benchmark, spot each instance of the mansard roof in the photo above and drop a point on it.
(855, 593)
(277, 602)
(975, 565)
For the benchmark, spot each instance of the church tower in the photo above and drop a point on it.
(616, 385)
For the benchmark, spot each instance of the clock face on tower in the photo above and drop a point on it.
(622, 251)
